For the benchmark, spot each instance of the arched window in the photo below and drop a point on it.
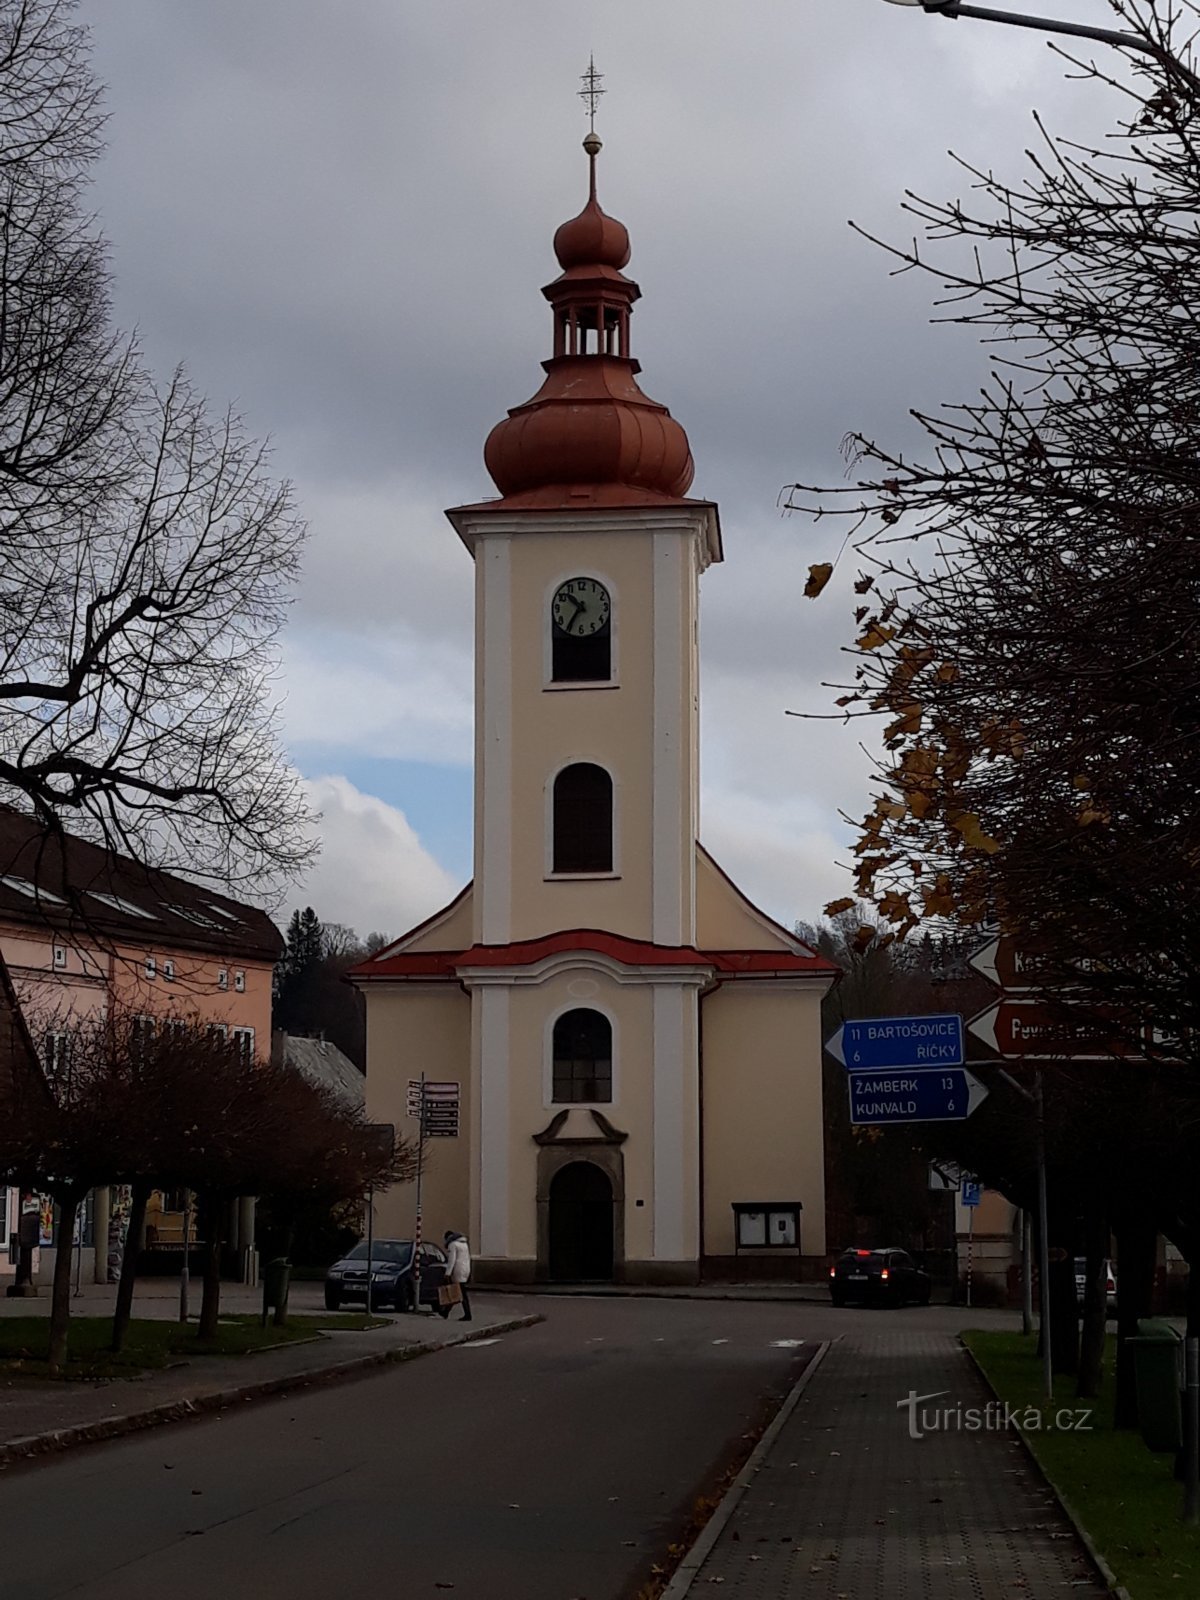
(583, 819)
(582, 1054)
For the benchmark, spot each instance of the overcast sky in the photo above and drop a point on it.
(339, 214)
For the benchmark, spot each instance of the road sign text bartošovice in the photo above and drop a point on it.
(899, 1042)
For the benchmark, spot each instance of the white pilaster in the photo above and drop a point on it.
(493, 773)
(675, 1153)
(671, 739)
(493, 1119)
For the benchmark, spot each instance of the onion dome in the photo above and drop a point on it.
(590, 433)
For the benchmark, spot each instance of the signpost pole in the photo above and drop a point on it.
(970, 1249)
(1044, 1244)
(370, 1242)
(183, 1271)
(1026, 1272)
(421, 1119)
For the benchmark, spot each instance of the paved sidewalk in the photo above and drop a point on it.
(36, 1415)
(845, 1505)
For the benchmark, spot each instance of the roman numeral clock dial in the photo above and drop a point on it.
(581, 607)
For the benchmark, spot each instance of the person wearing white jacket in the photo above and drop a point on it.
(458, 1269)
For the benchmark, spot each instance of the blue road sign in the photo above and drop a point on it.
(877, 1098)
(970, 1192)
(899, 1042)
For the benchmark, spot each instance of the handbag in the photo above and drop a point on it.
(450, 1294)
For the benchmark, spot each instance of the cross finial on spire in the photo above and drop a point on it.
(591, 91)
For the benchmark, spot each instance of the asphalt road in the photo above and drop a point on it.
(555, 1463)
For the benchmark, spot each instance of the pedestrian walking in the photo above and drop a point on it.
(458, 1270)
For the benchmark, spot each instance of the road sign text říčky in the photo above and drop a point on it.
(924, 1042)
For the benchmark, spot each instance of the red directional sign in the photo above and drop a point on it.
(1028, 1030)
(1002, 963)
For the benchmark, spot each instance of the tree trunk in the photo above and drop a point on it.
(129, 1261)
(60, 1302)
(1136, 1243)
(1064, 1311)
(210, 1304)
(1095, 1302)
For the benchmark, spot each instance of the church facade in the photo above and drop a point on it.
(622, 1054)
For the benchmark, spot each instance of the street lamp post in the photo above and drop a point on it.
(1078, 30)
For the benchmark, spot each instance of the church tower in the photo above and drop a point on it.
(619, 1027)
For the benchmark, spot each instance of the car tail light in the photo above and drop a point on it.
(833, 1272)
(884, 1274)
(862, 1254)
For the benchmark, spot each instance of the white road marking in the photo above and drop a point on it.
(475, 1344)
(786, 1344)
(720, 1341)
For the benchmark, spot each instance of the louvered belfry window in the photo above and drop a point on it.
(583, 819)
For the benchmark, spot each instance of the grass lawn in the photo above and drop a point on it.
(151, 1342)
(1124, 1496)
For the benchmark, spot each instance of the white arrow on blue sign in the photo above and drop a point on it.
(898, 1042)
(881, 1097)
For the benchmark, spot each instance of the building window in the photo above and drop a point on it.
(218, 1030)
(57, 1056)
(582, 1057)
(151, 966)
(141, 1039)
(222, 977)
(169, 971)
(583, 819)
(60, 958)
(243, 1040)
(239, 981)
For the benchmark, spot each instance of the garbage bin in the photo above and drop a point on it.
(275, 1282)
(1158, 1374)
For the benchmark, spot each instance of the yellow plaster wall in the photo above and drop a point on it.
(763, 1132)
(725, 919)
(411, 1029)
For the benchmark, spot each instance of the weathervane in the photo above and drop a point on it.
(591, 91)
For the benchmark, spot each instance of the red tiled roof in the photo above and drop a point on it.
(629, 952)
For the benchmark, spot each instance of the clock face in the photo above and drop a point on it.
(581, 607)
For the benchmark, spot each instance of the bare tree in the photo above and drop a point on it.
(1035, 654)
(147, 555)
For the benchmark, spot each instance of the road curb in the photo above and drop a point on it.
(688, 1569)
(1068, 1511)
(59, 1439)
(599, 1291)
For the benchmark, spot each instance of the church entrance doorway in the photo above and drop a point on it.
(581, 1224)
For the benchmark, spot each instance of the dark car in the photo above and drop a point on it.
(878, 1277)
(392, 1283)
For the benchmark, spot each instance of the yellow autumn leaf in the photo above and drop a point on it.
(894, 905)
(893, 809)
(1090, 815)
(818, 576)
(920, 804)
(1081, 781)
(875, 636)
(908, 722)
(947, 672)
(968, 825)
(836, 907)
(939, 901)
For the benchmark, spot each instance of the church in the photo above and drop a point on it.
(615, 1056)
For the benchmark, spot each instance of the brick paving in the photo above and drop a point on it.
(846, 1506)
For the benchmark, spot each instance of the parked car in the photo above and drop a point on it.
(878, 1277)
(1110, 1283)
(392, 1283)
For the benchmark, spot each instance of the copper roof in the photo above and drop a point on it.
(590, 433)
(68, 883)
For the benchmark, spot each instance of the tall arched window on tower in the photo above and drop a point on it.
(581, 632)
(582, 1052)
(583, 819)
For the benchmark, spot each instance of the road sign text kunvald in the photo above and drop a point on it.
(948, 1095)
(899, 1042)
